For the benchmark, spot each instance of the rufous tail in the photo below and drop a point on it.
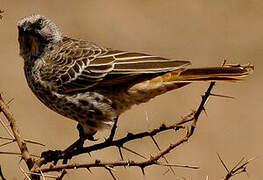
(148, 89)
(226, 73)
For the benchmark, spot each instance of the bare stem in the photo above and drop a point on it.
(17, 135)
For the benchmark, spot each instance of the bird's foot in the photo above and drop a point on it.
(68, 153)
(113, 130)
(52, 156)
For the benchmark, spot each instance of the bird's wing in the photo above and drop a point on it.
(80, 65)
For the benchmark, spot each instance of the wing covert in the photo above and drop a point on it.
(79, 65)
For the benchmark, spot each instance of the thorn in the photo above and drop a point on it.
(133, 152)
(6, 128)
(9, 142)
(178, 165)
(158, 147)
(97, 161)
(25, 174)
(187, 131)
(203, 108)
(163, 126)
(223, 96)
(26, 140)
(89, 154)
(110, 167)
(142, 168)
(89, 170)
(224, 62)
(156, 144)
(121, 155)
(239, 162)
(129, 134)
(111, 173)
(11, 100)
(166, 171)
(222, 162)
(43, 176)
(247, 174)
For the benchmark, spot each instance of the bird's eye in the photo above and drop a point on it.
(40, 21)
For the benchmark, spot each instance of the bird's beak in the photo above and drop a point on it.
(27, 26)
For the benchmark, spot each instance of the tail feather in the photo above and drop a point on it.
(226, 73)
(146, 90)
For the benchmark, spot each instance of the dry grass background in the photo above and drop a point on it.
(203, 31)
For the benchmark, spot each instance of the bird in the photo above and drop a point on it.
(94, 85)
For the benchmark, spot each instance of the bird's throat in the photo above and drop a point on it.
(31, 45)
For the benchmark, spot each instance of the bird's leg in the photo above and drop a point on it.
(113, 130)
(82, 137)
(77, 144)
(67, 153)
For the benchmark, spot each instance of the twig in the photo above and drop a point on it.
(121, 141)
(7, 130)
(19, 139)
(26, 140)
(239, 168)
(134, 152)
(25, 174)
(98, 163)
(201, 108)
(42, 175)
(165, 159)
(36, 174)
(7, 143)
(178, 165)
(15, 153)
(222, 162)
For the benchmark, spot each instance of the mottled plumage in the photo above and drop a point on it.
(92, 84)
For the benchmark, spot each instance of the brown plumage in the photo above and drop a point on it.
(93, 85)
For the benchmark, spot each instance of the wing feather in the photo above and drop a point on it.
(80, 65)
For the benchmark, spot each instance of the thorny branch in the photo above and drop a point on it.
(112, 164)
(17, 135)
(153, 160)
(36, 171)
(240, 167)
(35, 166)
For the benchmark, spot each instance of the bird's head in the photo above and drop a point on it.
(35, 33)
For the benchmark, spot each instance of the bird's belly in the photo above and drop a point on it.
(89, 108)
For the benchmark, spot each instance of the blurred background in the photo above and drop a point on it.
(203, 31)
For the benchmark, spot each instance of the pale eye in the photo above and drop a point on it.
(40, 21)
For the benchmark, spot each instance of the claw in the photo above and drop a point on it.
(67, 154)
(50, 155)
(91, 138)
